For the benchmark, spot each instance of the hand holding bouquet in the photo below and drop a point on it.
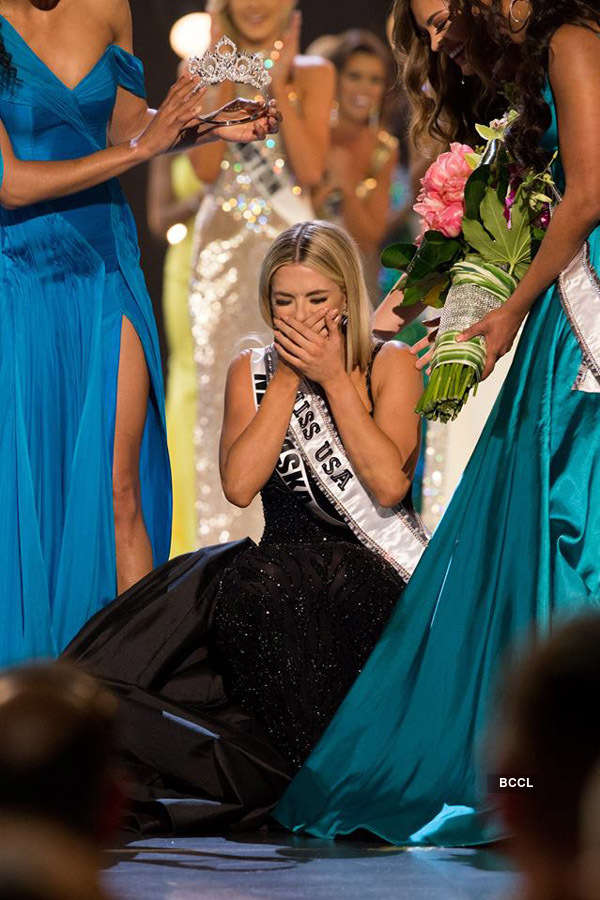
(483, 220)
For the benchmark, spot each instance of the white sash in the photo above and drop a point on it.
(395, 534)
(579, 288)
(275, 188)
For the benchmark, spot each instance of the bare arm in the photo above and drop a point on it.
(574, 76)
(164, 208)
(30, 181)
(131, 114)
(306, 124)
(389, 317)
(382, 449)
(575, 80)
(251, 440)
(366, 219)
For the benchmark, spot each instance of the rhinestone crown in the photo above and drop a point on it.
(225, 63)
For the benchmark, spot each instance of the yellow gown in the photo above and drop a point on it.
(181, 396)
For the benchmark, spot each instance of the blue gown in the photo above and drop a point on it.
(69, 272)
(516, 551)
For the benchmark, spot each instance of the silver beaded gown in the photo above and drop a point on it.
(235, 226)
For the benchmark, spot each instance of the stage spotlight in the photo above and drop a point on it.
(177, 233)
(190, 35)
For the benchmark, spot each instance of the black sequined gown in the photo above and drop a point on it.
(296, 618)
(230, 662)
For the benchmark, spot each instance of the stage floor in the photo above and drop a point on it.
(287, 868)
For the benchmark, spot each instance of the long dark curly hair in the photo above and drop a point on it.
(523, 66)
(507, 72)
(8, 72)
(446, 106)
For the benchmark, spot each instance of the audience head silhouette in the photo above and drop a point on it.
(42, 861)
(549, 732)
(57, 728)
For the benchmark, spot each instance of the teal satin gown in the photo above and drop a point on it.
(516, 551)
(69, 273)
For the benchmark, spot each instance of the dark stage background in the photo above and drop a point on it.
(152, 21)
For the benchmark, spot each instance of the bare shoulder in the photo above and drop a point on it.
(239, 367)
(116, 14)
(239, 379)
(574, 57)
(395, 363)
(394, 353)
(239, 394)
(309, 70)
(569, 37)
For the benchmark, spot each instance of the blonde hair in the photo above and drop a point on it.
(329, 250)
(220, 8)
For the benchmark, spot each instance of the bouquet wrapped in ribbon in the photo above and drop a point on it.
(483, 218)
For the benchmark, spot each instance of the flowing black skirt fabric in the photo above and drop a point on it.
(193, 761)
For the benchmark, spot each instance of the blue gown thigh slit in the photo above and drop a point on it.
(69, 273)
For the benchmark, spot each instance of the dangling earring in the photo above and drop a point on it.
(335, 114)
(344, 323)
(520, 22)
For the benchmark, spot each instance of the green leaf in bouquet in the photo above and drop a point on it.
(537, 236)
(520, 270)
(428, 267)
(437, 252)
(436, 296)
(418, 291)
(478, 238)
(474, 270)
(398, 256)
(473, 159)
(487, 133)
(475, 191)
(502, 175)
(512, 245)
(538, 198)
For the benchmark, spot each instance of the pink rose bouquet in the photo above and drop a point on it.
(441, 200)
(483, 218)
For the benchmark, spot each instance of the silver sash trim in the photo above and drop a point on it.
(579, 289)
(290, 466)
(396, 534)
(275, 188)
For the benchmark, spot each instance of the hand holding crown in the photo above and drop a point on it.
(240, 120)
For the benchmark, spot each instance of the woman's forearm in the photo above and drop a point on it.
(571, 225)
(306, 158)
(389, 317)
(366, 229)
(126, 128)
(250, 461)
(375, 457)
(26, 182)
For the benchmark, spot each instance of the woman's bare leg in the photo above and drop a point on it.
(134, 553)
